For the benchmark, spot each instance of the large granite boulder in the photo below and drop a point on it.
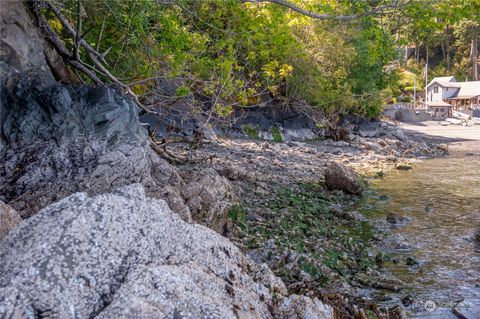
(122, 255)
(341, 177)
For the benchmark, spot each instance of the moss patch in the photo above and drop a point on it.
(251, 131)
(276, 134)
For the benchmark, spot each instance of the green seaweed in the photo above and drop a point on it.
(301, 221)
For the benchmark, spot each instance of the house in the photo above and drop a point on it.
(445, 94)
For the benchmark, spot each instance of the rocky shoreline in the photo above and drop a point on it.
(258, 224)
(240, 188)
(287, 217)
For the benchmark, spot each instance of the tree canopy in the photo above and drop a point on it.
(337, 56)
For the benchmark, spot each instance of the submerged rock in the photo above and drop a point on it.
(340, 177)
(393, 218)
(122, 255)
(403, 167)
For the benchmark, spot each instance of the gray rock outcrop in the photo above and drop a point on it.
(22, 47)
(368, 129)
(9, 218)
(341, 177)
(207, 194)
(58, 139)
(20, 41)
(289, 124)
(122, 255)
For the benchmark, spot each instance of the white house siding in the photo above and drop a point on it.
(435, 97)
(449, 92)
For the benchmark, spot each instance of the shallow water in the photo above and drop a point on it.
(442, 199)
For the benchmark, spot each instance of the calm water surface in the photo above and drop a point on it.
(442, 199)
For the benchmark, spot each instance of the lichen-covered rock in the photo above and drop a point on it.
(208, 195)
(121, 255)
(9, 218)
(341, 177)
(302, 307)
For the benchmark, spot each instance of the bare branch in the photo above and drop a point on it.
(320, 16)
(79, 31)
(91, 53)
(99, 39)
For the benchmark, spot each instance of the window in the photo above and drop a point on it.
(435, 89)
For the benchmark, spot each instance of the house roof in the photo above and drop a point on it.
(444, 81)
(469, 88)
(449, 84)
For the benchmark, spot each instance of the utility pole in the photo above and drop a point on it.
(414, 93)
(475, 55)
(426, 83)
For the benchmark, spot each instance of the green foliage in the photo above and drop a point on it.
(182, 91)
(277, 135)
(241, 54)
(238, 215)
(444, 30)
(251, 131)
(235, 53)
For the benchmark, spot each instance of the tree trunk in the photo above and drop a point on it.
(442, 44)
